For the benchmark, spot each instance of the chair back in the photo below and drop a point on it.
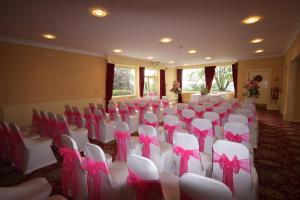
(169, 111)
(101, 108)
(222, 113)
(92, 107)
(191, 105)
(187, 116)
(241, 176)
(171, 120)
(236, 132)
(238, 118)
(194, 186)
(150, 119)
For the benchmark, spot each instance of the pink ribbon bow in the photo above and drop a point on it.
(155, 107)
(191, 107)
(147, 140)
(184, 157)
(112, 114)
(199, 114)
(170, 132)
(239, 138)
(123, 114)
(68, 177)
(215, 123)
(131, 109)
(187, 122)
(97, 119)
(179, 113)
(165, 103)
(89, 123)
(153, 124)
(231, 166)
(142, 110)
(208, 109)
(144, 188)
(201, 135)
(78, 121)
(61, 128)
(69, 115)
(94, 178)
(122, 137)
(250, 119)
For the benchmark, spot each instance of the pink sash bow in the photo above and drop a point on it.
(239, 138)
(155, 107)
(68, 177)
(69, 115)
(97, 119)
(144, 188)
(131, 109)
(142, 110)
(208, 109)
(201, 135)
(89, 123)
(94, 178)
(121, 137)
(179, 113)
(170, 132)
(165, 104)
(123, 114)
(231, 167)
(215, 123)
(78, 121)
(184, 157)
(153, 124)
(199, 114)
(112, 114)
(147, 140)
(187, 122)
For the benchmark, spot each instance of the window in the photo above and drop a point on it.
(124, 81)
(223, 79)
(192, 79)
(150, 84)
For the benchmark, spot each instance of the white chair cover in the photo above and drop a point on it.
(187, 116)
(214, 118)
(131, 120)
(106, 133)
(151, 119)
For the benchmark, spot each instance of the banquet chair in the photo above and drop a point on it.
(187, 155)
(165, 102)
(44, 124)
(180, 107)
(90, 123)
(131, 108)
(156, 109)
(193, 186)
(131, 120)
(238, 118)
(160, 153)
(112, 175)
(101, 108)
(237, 132)
(151, 119)
(232, 166)
(228, 106)
(192, 104)
(52, 126)
(80, 135)
(105, 132)
(142, 109)
(92, 107)
(112, 112)
(199, 110)
(36, 122)
(208, 106)
(74, 176)
(30, 154)
(125, 143)
(187, 116)
(79, 120)
(69, 115)
(5, 139)
(170, 111)
(222, 114)
(34, 189)
(214, 118)
(171, 125)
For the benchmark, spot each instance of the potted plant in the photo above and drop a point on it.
(203, 90)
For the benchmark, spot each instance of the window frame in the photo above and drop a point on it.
(219, 91)
(191, 91)
(154, 77)
(135, 81)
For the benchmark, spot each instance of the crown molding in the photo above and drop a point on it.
(293, 36)
(261, 57)
(50, 46)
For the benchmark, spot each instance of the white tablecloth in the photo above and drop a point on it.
(195, 97)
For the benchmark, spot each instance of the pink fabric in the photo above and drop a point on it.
(131, 109)
(78, 120)
(187, 122)
(52, 127)
(69, 116)
(68, 177)
(94, 179)
(208, 109)
(191, 107)
(239, 138)
(61, 129)
(146, 141)
(199, 114)
(97, 120)
(153, 124)
(231, 167)
(92, 108)
(155, 107)
(44, 126)
(143, 188)
(112, 114)
(201, 135)
(89, 122)
(215, 123)
(170, 132)
(36, 123)
(184, 157)
(123, 114)
(179, 113)
(251, 119)
(165, 103)
(142, 110)
(122, 137)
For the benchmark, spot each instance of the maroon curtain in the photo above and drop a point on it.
(179, 79)
(142, 80)
(162, 83)
(235, 77)
(209, 76)
(110, 73)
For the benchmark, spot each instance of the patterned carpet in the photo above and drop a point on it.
(277, 161)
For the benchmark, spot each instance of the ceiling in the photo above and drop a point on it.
(212, 27)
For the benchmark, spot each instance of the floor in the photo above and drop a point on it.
(277, 161)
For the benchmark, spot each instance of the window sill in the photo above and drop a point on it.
(124, 96)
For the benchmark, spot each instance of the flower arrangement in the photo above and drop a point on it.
(176, 87)
(203, 90)
(252, 88)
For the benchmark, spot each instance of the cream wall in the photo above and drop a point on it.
(37, 77)
(274, 63)
(291, 110)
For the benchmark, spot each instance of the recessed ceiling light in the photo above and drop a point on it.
(251, 19)
(192, 51)
(149, 57)
(257, 40)
(117, 50)
(171, 62)
(185, 65)
(259, 51)
(98, 12)
(49, 36)
(166, 40)
(207, 58)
